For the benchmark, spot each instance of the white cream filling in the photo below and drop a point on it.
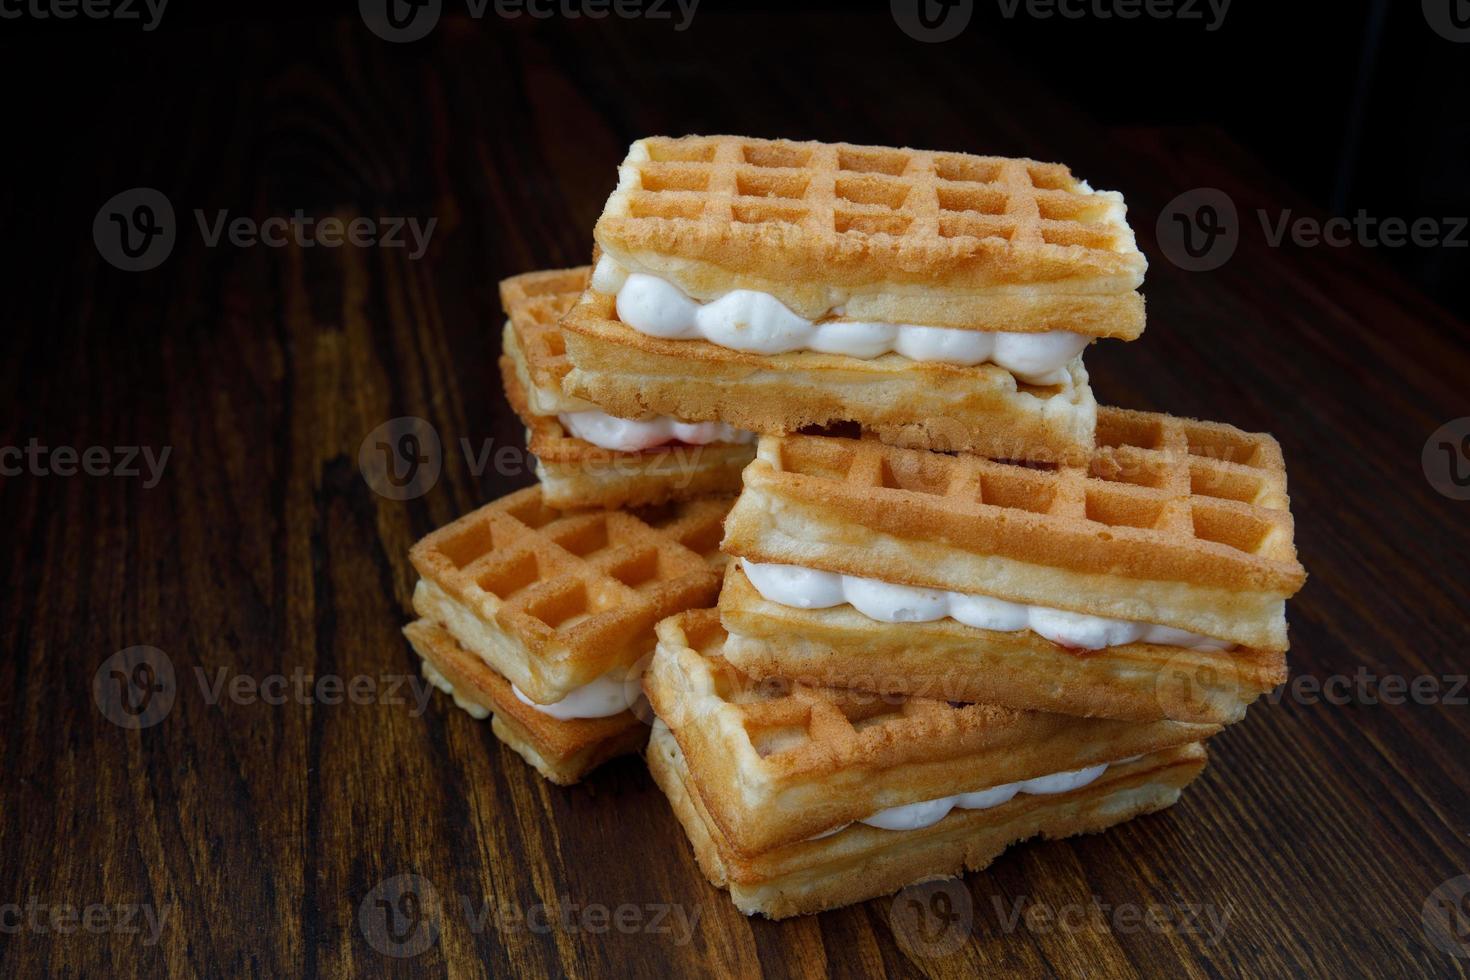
(433, 676)
(915, 816)
(631, 435)
(757, 322)
(611, 694)
(810, 588)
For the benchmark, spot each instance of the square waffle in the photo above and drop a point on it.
(862, 862)
(562, 751)
(554, 599)
(778, 763)
(894, 235)
(1169, 521)
(572, 471)
(931, 404)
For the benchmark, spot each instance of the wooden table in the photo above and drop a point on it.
(262, 833)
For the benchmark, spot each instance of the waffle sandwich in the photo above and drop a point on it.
(621, 462)
(544, 616)
(800, 798)
(1145, 581)
(941, 300)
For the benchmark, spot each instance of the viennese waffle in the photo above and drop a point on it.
(1170, 521)
(561, 750)
(892, 235)
(875, 237)
(930, 404)
(572, 471)
(765, 778)
(552, 599)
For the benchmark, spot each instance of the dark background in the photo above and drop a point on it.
(1355, 105)
(1322, 828)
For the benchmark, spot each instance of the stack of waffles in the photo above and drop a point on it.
(963, 605)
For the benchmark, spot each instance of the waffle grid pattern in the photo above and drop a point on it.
(854, 190)
(1180, 479)
(796, 728)
(535, 303)
(583, 581)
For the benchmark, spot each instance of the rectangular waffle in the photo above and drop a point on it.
(981, 409)
(894, 235)
(554, 599)
(1170, 521)
(945, 659)
(562, 751)
(572, 471)
(863, 862)
(778, 763)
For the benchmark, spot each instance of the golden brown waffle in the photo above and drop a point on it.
(575, 473)
(534, 302)
(562, 751)
(945, 659)
(897, 235)
(554, 599)
(1170, 521)
(864, 862)
(981, 409)
(777, 763)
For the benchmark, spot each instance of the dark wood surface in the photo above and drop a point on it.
(259, 831)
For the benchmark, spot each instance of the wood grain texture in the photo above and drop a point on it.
(261, 830)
